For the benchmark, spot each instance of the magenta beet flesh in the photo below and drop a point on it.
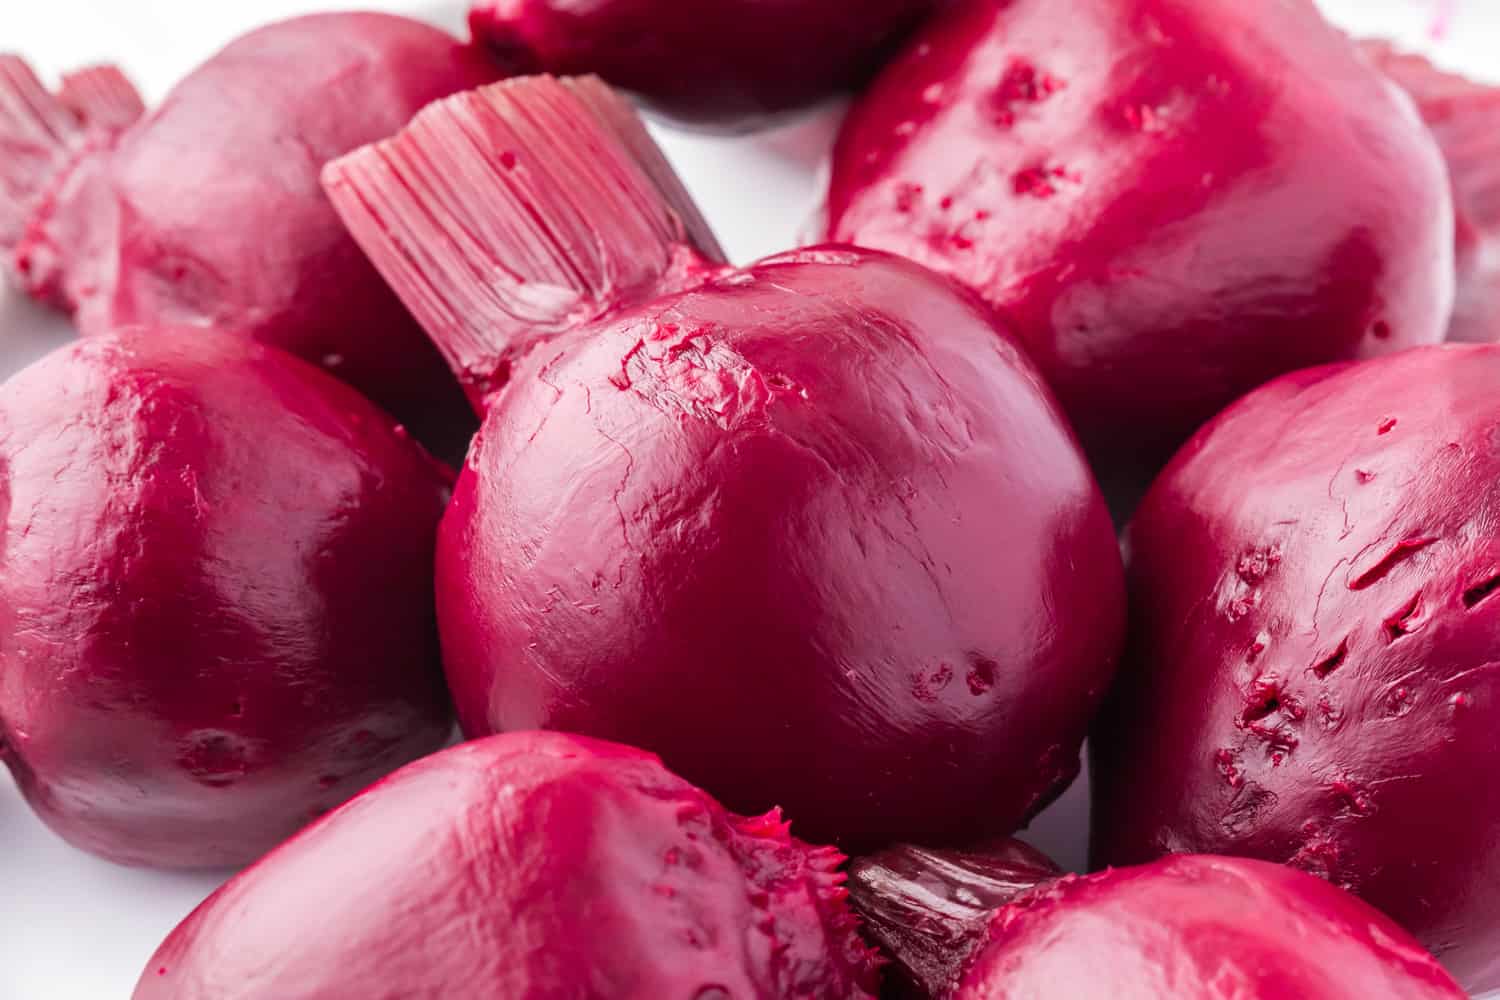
(530, 867)
(208, 212)
(814, 530)
(711, 61)
(1169, 201)
(1314, 672)
(999, 922)
(1464, 116)
(216, 593)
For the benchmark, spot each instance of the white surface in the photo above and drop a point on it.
(75, 928)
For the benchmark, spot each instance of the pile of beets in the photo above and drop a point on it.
(826, 543)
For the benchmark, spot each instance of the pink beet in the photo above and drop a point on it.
(528, 866)
(216, 592)
(1169, 201)
(1314, 670)
(208, 212)
(1464, 116)
(995, 924)
(813, 530)
(710, 62)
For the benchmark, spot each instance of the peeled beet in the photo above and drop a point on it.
(530, 866)
(215, 592)
(813, 530)
(713, 61)
(208, 212)
(1464, 116)
(1314, 667)
(1170, 201)
(1190, 928)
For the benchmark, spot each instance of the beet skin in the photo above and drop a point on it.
(994, 924)
(813, 530)
(528, 866)
(1170, 201)
(208, 212)
(711, 61)
(1464, 117)
(216, 592)
(1314, 666)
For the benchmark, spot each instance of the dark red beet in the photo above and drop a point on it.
(1465, 118)
(812, 530)
(1189, 928)
(209, 213)
(930, 910)
(530, 867)
(1169, 201)
(216, 593)
(1315, 657)
(713, 61)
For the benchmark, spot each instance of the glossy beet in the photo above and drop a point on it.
(527, 866)
(715, 61)
(813, 530)
(1314, 670)
(1191, 928)
(208, 212)
(1169, 201)
(1464, 116)
(216, 590)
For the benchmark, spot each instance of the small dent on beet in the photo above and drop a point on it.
(1326, 666)
(982, 674)
(1386, 426)
(1481, 591)
(508, 160)
(1405, 621)
(1042, 181)
(1023, 84)
(1399, 553)
(1381, 330)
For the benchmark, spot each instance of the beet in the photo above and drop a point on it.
(813, 530)
(1170, 202)
(1314, 666)
(209, 212)
(527, 866)
(996, 924)
(216, 592)
(1464, 116)
(725, 61)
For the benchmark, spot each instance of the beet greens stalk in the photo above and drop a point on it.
(569, 212)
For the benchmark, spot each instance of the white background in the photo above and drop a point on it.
(75, 928)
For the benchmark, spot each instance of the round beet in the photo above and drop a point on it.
(813, 530)
(1191, 928)
(1169, 201)
(208, 211)
(1464, 117)
(216, 592)
(528, 866)
(711, 62)
(1314, 668)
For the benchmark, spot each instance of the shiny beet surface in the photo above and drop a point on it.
(1000, 921)
(1169, 201)
(1196, 928)
(216, 592)
(815, 532)
(930, 910)
(527, 866)
(209, 213)
(711, 61)
(1464, 116)
(1314, 666)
